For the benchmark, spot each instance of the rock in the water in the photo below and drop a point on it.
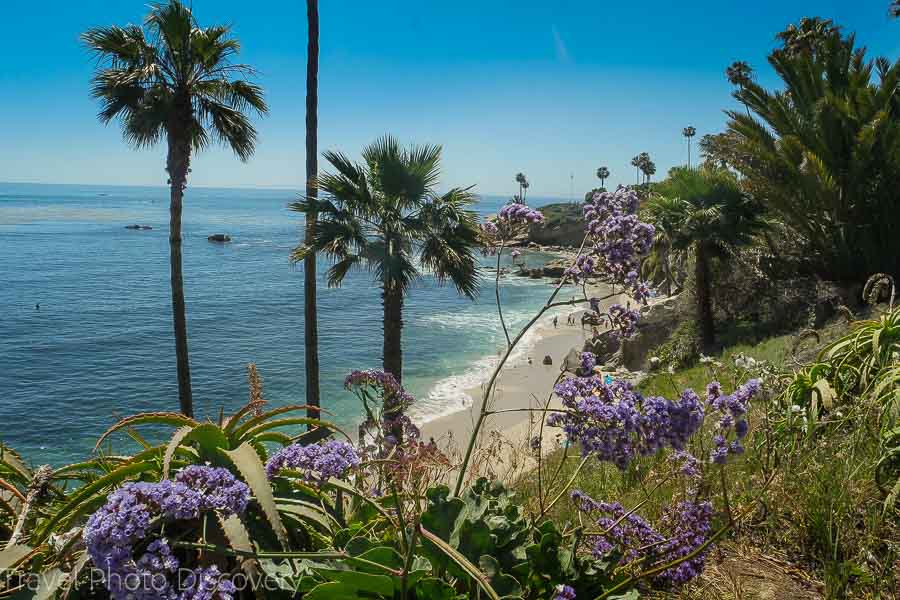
(219, 237)
(136, 226)
(548, 360)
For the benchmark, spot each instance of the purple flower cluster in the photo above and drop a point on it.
(208, 584)
(732, 426)
(585, 266)
(564, 592)
(623, 320)
(685, 527)
(588, 362)
(616, 423)
(133, 510)
(619, 237)
(516, 213)
(317, 462)
(382, 380)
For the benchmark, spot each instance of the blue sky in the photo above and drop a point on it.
(553, 89)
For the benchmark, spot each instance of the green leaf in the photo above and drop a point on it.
(173, 444)
(247, 461)
(158, 418)
(435, 589)
(49, 583)
(362, 584)
(239, 539)
(10, 556)
(629, 595)
(471, 570)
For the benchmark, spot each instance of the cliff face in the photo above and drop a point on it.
(563, 226)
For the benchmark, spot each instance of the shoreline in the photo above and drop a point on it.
(519, 385)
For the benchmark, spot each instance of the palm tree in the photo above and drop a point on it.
(310, 309)
(739, 74)
(602, 174)
(706, 211)
(176, 81)
(808, 37)
(636, 163)
(689, 132)
(822, 153)
(523, 186)
(385, 215)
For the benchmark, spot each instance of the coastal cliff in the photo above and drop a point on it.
(563, 225)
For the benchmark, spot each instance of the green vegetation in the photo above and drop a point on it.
(175, 80)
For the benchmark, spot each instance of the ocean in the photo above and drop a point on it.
(100, 345)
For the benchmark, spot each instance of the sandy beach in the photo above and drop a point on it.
(519, 385)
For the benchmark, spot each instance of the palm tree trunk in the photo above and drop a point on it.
(704, 299)
(310, 309)
(177, 164)
(393, 325)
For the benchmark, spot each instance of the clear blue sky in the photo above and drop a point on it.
(548, 88)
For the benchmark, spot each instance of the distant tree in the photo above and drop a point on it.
(603, 172)
(384, 215)
(636, 163)
(721, 150)
(174, 80)
(704, 210)
(689, 132)
(739, 74)
(523, 187)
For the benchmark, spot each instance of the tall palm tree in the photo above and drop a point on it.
(739, 74)
(523, 186)
(602, 174)
(310, 309)
(385, 215)
(689, 132)
(706, 211)
(175, 80)
(807, 37)
(636, 163)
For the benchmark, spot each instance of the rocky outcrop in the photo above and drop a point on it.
(219, 237)
(553, 268)
(136, 226)
(563, 226)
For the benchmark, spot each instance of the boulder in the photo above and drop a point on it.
(219, 237)
(657, 323)
(548, 360)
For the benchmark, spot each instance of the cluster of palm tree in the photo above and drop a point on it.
(823, 152)
(602, 175)
(523, 187)
(643, 167)
(174, 81)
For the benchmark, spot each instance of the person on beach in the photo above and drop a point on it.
(555, 322)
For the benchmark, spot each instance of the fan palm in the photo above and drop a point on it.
(739, 74)
(523, 186)
(636, 163)
(824, 154)
(602, 174)
(689, 132)
(704, 210)
(175, 81)
(385, 215)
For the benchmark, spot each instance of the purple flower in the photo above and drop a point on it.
(517, 213)
(130, 513)
(588, 362)
(616, 423)
(207, 584)
(317, 462)
(732, 425)
(564, 592)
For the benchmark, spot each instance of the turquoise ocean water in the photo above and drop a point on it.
(101, 345)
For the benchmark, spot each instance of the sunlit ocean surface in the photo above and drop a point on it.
(101, 345)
